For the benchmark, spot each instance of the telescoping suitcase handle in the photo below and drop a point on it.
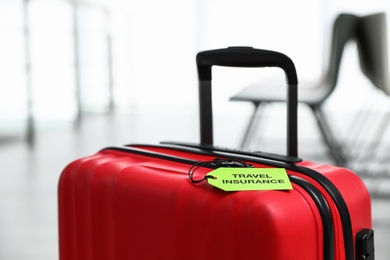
(246, 57)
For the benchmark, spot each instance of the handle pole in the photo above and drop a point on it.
(206, 113)
(246, 57)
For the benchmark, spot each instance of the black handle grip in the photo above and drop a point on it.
(246, 57)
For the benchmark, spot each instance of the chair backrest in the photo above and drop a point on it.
(372, 46)
(344, 30)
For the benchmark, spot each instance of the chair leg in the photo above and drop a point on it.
(358, 128)
(367, 148)
(335, 148)
(253, 123)
(373, 144)
(30, 131)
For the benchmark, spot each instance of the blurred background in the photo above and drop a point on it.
(76, 76)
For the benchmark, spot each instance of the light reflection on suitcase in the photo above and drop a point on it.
(138, 201)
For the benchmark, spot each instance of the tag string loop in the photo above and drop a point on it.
(216, 163)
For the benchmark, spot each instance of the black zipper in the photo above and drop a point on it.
(315, 194)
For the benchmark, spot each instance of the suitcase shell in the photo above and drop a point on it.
(120, 205)
(137, 202)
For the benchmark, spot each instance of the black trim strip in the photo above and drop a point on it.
(322, 205)
(260, 154)
(340, 203)
(316, 176)
(326, 216)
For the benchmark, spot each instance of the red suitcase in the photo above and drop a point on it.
(157, 201)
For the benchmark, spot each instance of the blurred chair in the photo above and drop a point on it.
(372, 45)
(344, 30)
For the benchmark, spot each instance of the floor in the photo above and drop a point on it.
(28, 192)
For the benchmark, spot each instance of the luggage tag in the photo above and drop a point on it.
(236, 175)
(240, 179)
